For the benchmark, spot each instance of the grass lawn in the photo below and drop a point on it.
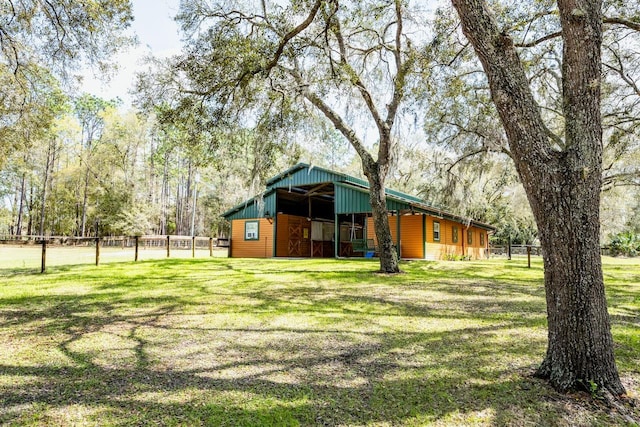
(293, 342)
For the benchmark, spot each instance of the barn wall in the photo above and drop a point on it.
(411, 240)
(393, 224)
(241, 248)
(411, 243)
(446, 247)
(476, 250)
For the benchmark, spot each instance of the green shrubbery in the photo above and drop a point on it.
(625, 244)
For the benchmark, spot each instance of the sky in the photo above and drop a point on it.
(157, 35)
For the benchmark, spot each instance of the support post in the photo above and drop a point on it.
(168, 246)
(210, 246)
(97, 251)
(398, 234)
(193, 246)
(137, 245)
(528, 256)
(424, 236)
(336, 237)
(43, 264)
(509, 248)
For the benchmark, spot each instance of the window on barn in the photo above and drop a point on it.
(481, 239)
(454, 234)
(436, 231)
(469, 237)
(251, 230)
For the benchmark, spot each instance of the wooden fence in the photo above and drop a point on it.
(168, 243)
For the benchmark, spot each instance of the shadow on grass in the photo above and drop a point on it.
(225, 344)
(394, 377)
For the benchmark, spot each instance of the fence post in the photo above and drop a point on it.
(43, 265)
(137, 243)
(528, 256)
(97, 251)
(193, 246)
(210, 246)
(168, 246)
(509, 249)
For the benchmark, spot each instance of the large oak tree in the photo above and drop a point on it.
(563, 180)
(349, 61)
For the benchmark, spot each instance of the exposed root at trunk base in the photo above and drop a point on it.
(626, 407)
(563, 381)
(622, 405)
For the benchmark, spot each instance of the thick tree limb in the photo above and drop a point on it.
(338, 122)
(291, 34)
(357, 82)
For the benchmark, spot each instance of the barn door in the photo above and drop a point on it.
(295, 239)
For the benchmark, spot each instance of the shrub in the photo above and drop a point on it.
(625, 244)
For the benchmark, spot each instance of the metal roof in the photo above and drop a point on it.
(351, 195)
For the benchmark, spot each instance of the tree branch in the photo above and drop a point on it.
(613, 21)
(291, 34)
(357, 82)
(510, 91)
(540, 40)
(632, 25)
(335, 118)
(620, 71)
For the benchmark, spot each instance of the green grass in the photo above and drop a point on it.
(27, 258)
(292, 342)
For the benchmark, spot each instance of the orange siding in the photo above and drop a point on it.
(241, 248)
(411, 243)
(371, 232)
(446, 248)
(475, 250)
(393, 225)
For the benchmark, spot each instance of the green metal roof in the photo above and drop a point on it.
(251, 208)
(305, 174)
(351, 195)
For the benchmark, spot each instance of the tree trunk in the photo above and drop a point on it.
(580, 348)
(30, 207)
(376, 172)
(47, 173)
(563, 186)
(85, 198)
(164, 195)
(21, 205)
(378, 200)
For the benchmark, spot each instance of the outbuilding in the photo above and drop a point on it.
(308, 211)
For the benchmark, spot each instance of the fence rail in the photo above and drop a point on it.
(168, 243)
(521, 250)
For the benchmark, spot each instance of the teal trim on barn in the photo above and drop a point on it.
(350, 195)
(256, 207)
(351, 198)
